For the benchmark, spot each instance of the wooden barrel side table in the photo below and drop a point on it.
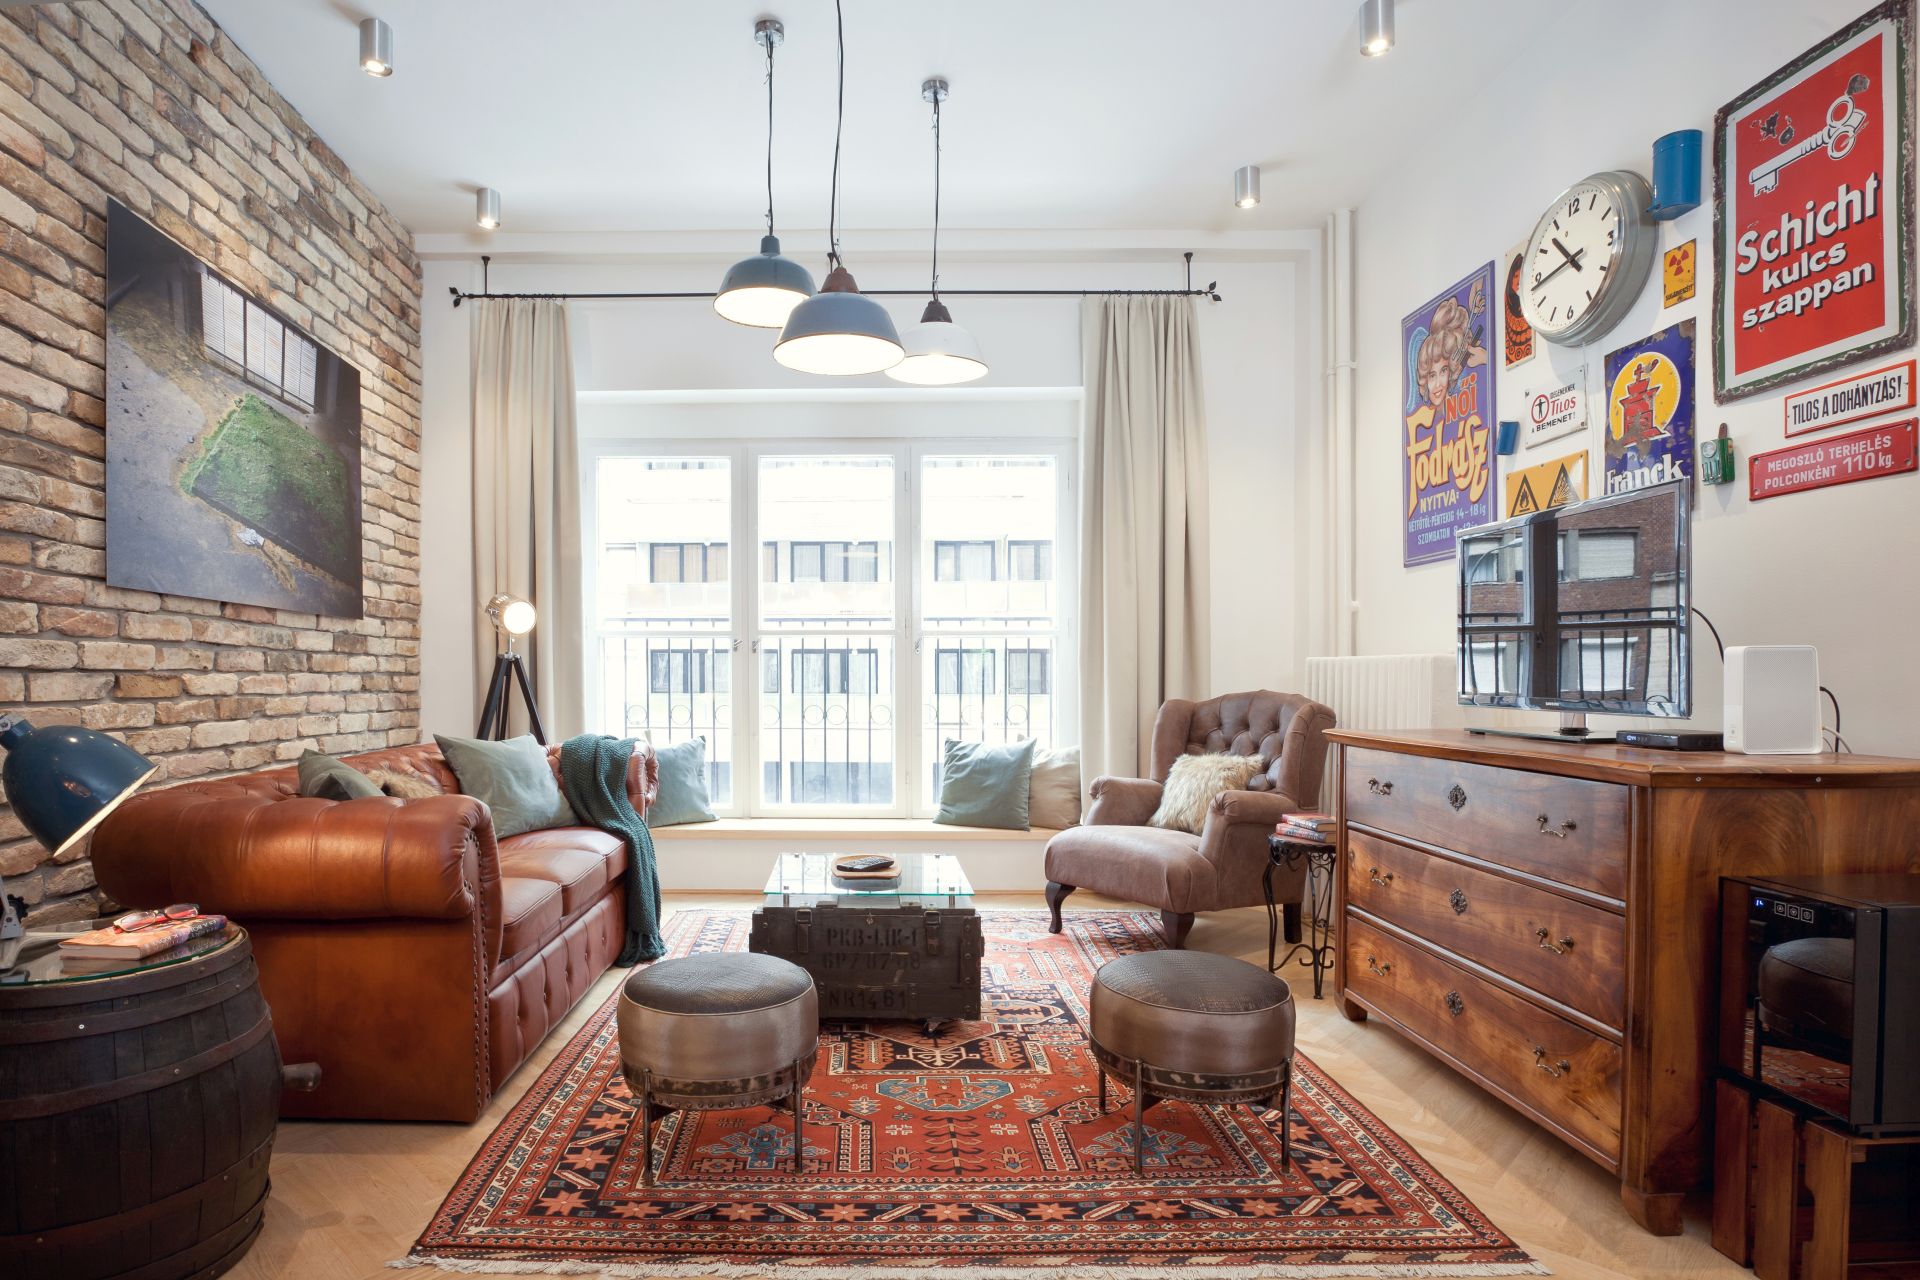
(137, 1114)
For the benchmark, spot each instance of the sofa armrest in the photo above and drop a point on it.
(643, 775)
(255, 856)
(1122, 802)
(1235, 842)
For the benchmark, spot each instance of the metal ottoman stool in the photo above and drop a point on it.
(712, 1032)
(1195, 1027)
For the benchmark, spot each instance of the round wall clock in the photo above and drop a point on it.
(1589, 257)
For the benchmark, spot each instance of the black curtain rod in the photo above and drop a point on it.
(1210, 291)
(460, 297)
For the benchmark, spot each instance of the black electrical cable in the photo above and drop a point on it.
(839, 116)
(1836, 714)
(1710, 627)
(771, 41)
(934, 286)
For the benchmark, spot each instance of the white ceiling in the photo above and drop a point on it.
(617, 115)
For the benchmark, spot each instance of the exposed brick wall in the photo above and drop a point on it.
(147, 101)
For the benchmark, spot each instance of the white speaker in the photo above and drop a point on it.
(1773, 699)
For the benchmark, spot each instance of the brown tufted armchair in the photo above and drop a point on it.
(1118, 854)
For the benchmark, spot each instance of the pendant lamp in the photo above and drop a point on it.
(763, 290)
(939, 352)
(839, 330)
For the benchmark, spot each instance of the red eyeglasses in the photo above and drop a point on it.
(134, 921)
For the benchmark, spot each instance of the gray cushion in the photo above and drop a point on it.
(683, 785)
(513, 778)
(331, 778)
(985, 786)
(1054, 789)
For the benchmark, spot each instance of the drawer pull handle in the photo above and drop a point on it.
(1455, 1005)
(1554, 1069)
(1458, 901)
(1382, 970)
(1383, 879)
(1379, 788)
(1561, 832)
(1547, 943)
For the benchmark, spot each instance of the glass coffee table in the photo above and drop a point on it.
(901, 949)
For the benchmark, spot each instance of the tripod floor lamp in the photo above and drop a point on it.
(512, 617)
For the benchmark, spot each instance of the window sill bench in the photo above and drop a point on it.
(736, 854)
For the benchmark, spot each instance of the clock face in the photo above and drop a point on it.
(1588, 258)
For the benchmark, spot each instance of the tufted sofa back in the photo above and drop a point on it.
(1288, 730)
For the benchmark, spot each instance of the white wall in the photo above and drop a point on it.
(1838, 568)
(1259, 350)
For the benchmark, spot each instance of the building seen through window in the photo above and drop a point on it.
(831, 638)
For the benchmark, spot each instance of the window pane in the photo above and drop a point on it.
(664, 609)
(827, 719)
(990, 602)
(830, 521)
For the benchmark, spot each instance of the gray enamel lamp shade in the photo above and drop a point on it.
(839, 331)
(939, 352)
(763, 290)
(63, 779)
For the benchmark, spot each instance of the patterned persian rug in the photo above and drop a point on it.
(977, 1154)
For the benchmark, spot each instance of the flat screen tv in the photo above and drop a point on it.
(1581, 608)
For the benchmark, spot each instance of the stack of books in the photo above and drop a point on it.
(1307, 828)
(111, 948)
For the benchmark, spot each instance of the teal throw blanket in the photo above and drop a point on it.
(593, 773)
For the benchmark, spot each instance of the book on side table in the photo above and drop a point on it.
(112, 943)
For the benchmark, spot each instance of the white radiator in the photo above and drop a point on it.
(1391, 691)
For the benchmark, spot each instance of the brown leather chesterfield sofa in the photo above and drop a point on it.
(416, 960)
(1116, 853)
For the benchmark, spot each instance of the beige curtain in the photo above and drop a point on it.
(526, 501)
(1143, 525)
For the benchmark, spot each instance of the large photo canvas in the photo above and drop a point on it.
(233, 438)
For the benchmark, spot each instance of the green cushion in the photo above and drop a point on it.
(683, 785)
(331, 778)
(984, 786)
(514, 781)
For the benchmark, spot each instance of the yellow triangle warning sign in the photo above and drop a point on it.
(1562, 489)
(1524, 501)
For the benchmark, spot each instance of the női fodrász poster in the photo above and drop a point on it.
(1813, 214)
(1447, 417)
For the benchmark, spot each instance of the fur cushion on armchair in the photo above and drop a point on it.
(1194, 781)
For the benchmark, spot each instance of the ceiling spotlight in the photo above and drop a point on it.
(376, 47)
(1376, 27)
(1246, 186)
(486, 207)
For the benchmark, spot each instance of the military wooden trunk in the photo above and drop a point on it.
(906, 963)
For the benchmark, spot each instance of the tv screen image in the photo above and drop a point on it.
(1580, 608)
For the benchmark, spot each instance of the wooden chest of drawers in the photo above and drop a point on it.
(1543, 917)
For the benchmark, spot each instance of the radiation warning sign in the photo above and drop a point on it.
(1547, 484)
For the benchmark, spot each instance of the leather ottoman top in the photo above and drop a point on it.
(730, 1017)
(734, 982)
(1192, 1012)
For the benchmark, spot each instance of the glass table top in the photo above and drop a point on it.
(925, 880)
(36, 959)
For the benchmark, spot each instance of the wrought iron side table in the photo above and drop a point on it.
(1318, 946)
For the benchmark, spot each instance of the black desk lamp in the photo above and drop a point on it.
(512, 617)
(61, 781)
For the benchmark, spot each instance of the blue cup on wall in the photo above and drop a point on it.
(1507, 441)
(1676, 175)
